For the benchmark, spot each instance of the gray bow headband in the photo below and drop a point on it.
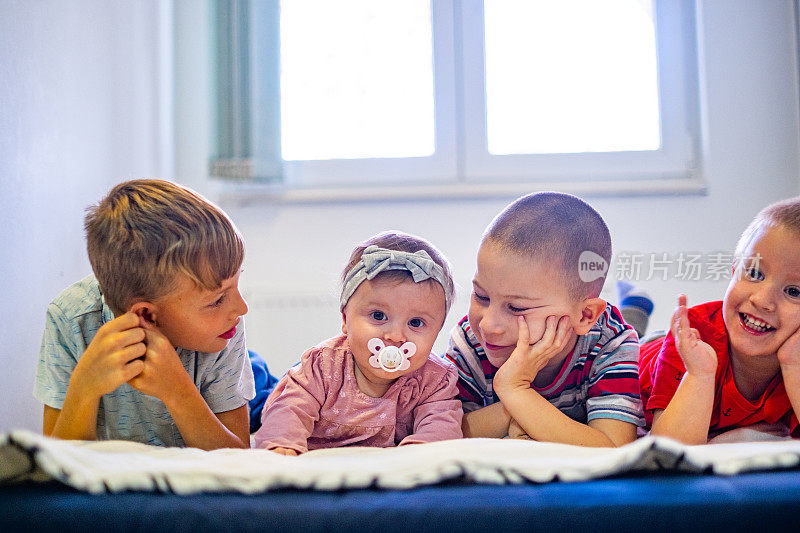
(375, 260)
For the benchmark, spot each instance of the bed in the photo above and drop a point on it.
(765, 501)
(652, 485)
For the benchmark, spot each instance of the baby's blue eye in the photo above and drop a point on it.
(416, 323)
(793, 292)
(378, 315)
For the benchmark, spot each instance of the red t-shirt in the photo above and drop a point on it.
(661, 370)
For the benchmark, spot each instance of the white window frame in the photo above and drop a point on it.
(440, 167)
(461, 164)
(676, 157)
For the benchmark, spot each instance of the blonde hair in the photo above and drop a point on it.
(405, 242)
(784, 213)
(146, 232)
(554, 227)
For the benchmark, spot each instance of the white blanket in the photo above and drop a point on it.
(114, 466)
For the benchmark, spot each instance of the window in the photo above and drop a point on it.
(373, 93)
(361, 99)
(570, 77)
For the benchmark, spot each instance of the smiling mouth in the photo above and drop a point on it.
(754, 325)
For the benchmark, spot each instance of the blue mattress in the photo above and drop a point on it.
(756, 502)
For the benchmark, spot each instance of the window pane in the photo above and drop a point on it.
(356, 79)
(566, 76)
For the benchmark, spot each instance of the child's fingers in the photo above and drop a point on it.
(129, 337)
(524, 333)
(115, 333)
(683, 319)
(794, 339)
(550, 326)
(790, 350)
(680, 317)
(562, 331)
(284, 451)
(675, 321)
(132, 369)
(131, 352)
(694, 334)
(121, 323)
(115, 339)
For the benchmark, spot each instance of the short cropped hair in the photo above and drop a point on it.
(145, 232)
(404, 242)
(784, 213)
(555, 228)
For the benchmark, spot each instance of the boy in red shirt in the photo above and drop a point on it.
(734, 363)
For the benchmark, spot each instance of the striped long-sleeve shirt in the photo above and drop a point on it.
(599, 379)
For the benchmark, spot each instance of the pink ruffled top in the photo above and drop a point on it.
(318, 404)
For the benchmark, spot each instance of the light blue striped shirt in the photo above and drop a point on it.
(225, 378)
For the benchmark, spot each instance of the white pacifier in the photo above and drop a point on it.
(390, 358)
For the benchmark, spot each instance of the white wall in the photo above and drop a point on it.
(80, 109)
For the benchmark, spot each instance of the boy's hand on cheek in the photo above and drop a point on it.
(163, 373)
(789, 353)
(112, 358)
(528, 359)
(698, 357)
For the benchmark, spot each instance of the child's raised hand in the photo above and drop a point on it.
(528, 359)
(112, 358)
(698, 356)
(163, 374)
(284, 451)
(789, 352)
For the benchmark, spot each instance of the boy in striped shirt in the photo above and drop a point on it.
(540, 355)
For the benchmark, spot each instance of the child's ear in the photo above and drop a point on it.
(591, 309)
(344, 323)
(147, 312)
